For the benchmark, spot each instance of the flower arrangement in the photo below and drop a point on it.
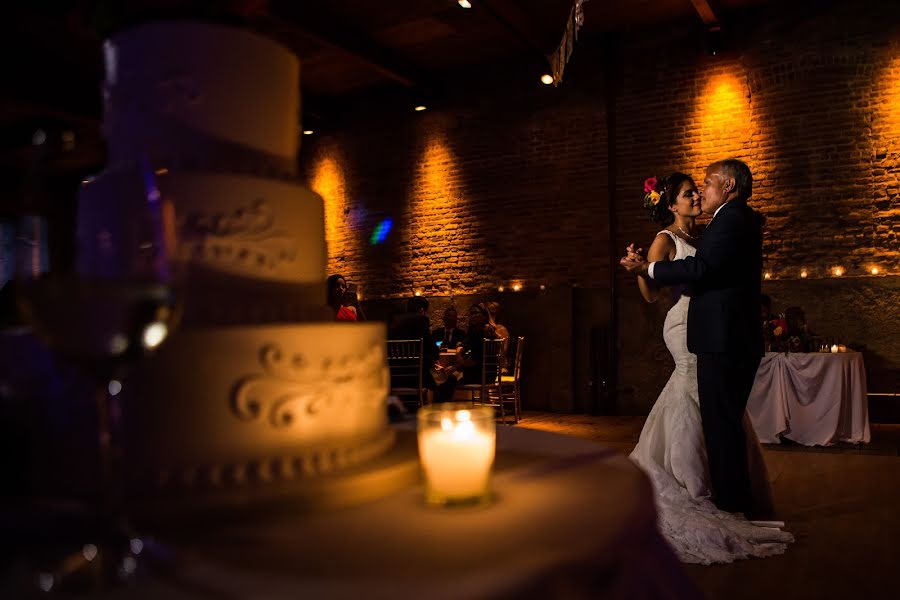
(651, 196)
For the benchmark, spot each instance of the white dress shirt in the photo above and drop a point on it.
(650, 268)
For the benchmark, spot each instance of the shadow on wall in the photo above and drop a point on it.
(564, 360)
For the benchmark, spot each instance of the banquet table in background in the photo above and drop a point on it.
(814, 399)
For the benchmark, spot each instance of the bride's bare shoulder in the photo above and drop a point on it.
(662, 248)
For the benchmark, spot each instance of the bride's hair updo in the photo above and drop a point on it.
(660, 195)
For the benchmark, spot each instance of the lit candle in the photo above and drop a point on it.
(842, 348)
(834, 348)
(456, 446)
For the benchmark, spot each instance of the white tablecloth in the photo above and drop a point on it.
(815, 399)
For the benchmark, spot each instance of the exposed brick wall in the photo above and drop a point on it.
(511, 190)
(509, 182)
(811, 101)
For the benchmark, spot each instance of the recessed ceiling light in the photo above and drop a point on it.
(465, 3)
(420, 108)
(546, 78)
(308, 132)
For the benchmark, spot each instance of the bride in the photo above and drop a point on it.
(671, 449)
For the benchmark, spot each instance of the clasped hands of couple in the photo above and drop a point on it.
(633, 261)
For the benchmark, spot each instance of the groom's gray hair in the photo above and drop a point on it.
(740, 172)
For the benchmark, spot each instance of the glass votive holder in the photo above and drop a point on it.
(457, 444)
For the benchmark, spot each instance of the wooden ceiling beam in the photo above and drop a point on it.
(294, 18)
(517, 21)
(705, 11)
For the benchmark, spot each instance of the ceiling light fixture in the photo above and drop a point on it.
(464, 3)
(420, 108)
(308, 132)
(546, 78)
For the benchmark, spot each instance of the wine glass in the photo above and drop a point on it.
(120, 302)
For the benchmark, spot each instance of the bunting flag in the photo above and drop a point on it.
(560, 57)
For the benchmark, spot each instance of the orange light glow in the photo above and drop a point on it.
(328, 181)
(874, 270)
(723, 115)
(838, 271)
(804, 274)
(439, 218)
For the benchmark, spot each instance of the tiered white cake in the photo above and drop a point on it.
(258, 386)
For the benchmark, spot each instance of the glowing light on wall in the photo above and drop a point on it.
(723, 116)
(440, 225)
(329, 182)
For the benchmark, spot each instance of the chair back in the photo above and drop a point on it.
(492, 364)
(517, 367)
(405, 363)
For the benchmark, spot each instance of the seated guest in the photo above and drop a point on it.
(470, 355)
(337, 287)
(350, 309)
(343, 300)
(449, 335)
(414, 325)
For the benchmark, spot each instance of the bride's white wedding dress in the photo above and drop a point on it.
(673, 453)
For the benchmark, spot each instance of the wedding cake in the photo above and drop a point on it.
(258, 387)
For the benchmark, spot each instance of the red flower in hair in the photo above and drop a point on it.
(649, 185)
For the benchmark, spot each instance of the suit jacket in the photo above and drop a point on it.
(458, 334)
(725, 279)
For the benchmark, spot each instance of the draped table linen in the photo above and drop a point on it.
(814, 399)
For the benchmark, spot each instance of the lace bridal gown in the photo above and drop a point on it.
(672, 452)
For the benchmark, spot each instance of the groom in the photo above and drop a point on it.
(723, 327)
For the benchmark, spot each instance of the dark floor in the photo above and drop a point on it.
(842, 504)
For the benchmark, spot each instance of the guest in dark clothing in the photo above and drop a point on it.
(470, 357)
(449, 335)
(414, 325)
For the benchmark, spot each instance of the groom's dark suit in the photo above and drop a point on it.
(724, 331)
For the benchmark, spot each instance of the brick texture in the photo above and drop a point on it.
(509, 182)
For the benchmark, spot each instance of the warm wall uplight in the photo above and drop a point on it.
(329, 182)
(517, 287)
(767, 275)
(464, 3)
(723, 116)
(500, 289)
(838, 271)
(420, 108)
(308, 132)
(546, 78)
(418, 293)
(804, 274)
(874, 270)
(543, 287)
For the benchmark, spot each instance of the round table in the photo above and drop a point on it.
(570, 519)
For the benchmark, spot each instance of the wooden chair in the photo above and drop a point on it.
(405, 364)
(488, 390)
(510, 385)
